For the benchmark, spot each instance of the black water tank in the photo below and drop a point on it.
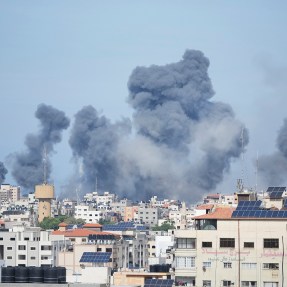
(61, 274)
(21, 274)
(36, 275)
(51, 275)
(7, 275)
(165, 267)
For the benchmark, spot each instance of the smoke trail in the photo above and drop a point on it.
(27, 167)
(3, 172)
(182, 142)
(272, 168)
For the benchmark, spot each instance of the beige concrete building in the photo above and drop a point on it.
(225, 250)
(130, 213)
(9, 193)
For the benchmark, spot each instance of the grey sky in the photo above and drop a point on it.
(70, 54)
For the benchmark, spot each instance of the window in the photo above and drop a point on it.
(227, 265)
(44, 257)
(206, 264)
(12, 238)
(248, 245)
(273, 266)
(227, 242)
(26, 238)
(186, 243)
(185, 262)
(9, 248)
(33, 258)
(271, 243)
(227, 283)
(248, 265)
(9, 257)
(99, 249)
(206, 244)
(1, 238)
(22, 257)
(109, 250)
(46, 247)
(21, 247)
(248, 284)
(84, 240)
(206, 283)
(33, 248)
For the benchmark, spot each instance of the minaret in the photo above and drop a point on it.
(44, 193)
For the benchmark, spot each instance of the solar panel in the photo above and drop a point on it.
(158, 282)
(276, 194)
(276, 188)
(96, 257)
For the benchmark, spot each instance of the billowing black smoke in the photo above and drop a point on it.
(182, 142)
(27, 167)
(272, 168)
(3, 172)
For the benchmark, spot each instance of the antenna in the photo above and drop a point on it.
(45, 164)
(242, 156)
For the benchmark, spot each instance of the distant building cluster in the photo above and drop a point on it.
(226, 240)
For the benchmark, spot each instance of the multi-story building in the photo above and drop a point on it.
(119, 206)
(9, 193)
(242, 247)
(89, 214)
(22, 246)
(100, 199)
(130, 213)
(148, 215)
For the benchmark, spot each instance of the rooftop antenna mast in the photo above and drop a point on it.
(242, 155)
(45, 164)
(240, 185)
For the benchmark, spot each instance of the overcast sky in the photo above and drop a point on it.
(70, 54)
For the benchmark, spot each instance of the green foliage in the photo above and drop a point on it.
(53, 222)
(50, 223)
(164, 227)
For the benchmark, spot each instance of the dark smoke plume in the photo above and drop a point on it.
(182, 142)
(3, 172)
(272, 168)
(28, 166)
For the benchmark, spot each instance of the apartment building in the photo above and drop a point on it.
(88, 213)
(100, 199)
(27, 246)
(148, 215)
(9, 193)
(243, 247)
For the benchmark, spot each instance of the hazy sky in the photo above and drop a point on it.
(70, 54)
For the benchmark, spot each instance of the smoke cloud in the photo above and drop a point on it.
(272, 168)
(3, 172)
(179, 143)
(27, 168)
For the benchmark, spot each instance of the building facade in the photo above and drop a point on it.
(227, 251)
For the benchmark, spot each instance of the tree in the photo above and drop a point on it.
(164, 227)
(50, 223)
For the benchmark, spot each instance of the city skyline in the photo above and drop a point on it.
(69, 56)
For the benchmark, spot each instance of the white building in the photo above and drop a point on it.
(89, 214)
